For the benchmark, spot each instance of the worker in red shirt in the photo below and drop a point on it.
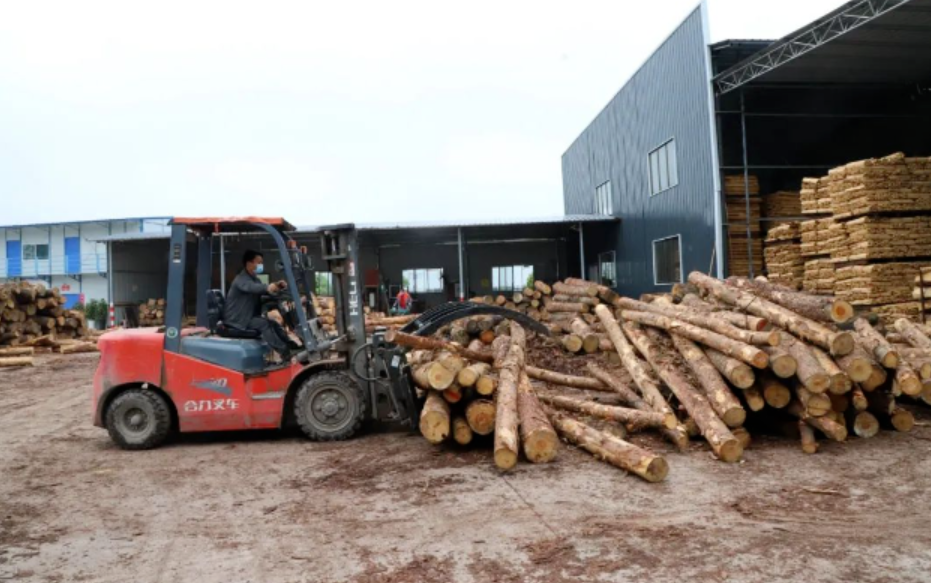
(402, 303)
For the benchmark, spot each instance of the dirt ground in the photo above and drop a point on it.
(270, 507)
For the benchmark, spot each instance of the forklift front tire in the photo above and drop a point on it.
(330, 406)
(138, 419)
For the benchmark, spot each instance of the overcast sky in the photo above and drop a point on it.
(319, 111)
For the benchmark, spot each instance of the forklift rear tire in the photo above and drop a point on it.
(138, 419)
(330, 406)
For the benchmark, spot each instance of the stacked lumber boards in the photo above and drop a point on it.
(325, 307)
(783, 253)
(922, 291)
(740, 255)
(892, 184)
(781, 207)
(691, 364)
(29, 312)
(152, 312)
(814, 197)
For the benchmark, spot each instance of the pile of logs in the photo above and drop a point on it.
(325, 307)
(152, 313)
(715, 359)
(31, 311)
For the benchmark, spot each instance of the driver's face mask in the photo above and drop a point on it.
(259, 269)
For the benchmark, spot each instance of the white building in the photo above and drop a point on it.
(67, 255)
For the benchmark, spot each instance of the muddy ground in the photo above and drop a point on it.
(269, 507)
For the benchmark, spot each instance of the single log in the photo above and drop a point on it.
(825, 425)
(617, 452)
(459, 334)
(809, 370)
(816, 404)
(582, 289)
(635, 419)
(737, 373)
(743, 436)
(453, 362)
(781, 362)
(462, 433)
(606, 294)
(817, 308)
(566, 380)
(481, 414)
(807, 435)
(907, 380)
(536, 433)
(499, 350)
(562, 298)
(486, 385)
(486, 336)
(754, 398)
(839, 343)
(877, 379)
(918, 360)
(431, 375)
(913, 334)
(858, 364)
(565, 307)
(79, 347)
(715, 432)
(434, 419)
(775, 393)
(429, 343)
(676, 434)
(469, 375)
(719, 395)
(702, 320)
(840, 382)
(542, 287)
(571, 343)
(507, 443)
(864, 423)
(12, 361)
(739, 350)
(858, 398)
(649, 389)
(884, 407)
(453, 394)
(740, 320)
(17, 351)
(874, 342)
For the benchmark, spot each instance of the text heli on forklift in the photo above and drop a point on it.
(152, 382)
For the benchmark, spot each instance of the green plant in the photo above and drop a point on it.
(78, 306)
(530, 280)
(96, 310)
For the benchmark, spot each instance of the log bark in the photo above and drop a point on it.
(507, 442)
(542, 287)
(481, 414)
(78, 347)
(677, 435)
(858, 364)
(840, 381)
(745, 321)
(634, 419)
(876, 344)
(17, 351)
(913, 334)
(734, 348)
(719, 395)
(565, 307)
(737, 373)
(838, 343)
(589, 301)
(818, 308)
(615, 451)
(715, 432)
(809, 370)
(536, 433)
(605, 293)
(918, 360)
(429, 343)
(825, 425)
(13, 361)
(565, 380)
(581, 289)
(707, 321)
(462, 433)
(434, 419)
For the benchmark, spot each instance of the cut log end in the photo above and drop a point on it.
(818, 382)
(541, 446)
(842, 311)
(505, 459)
(783, 365)
(656, 470)
(734, 417)
(760, 360)
(777, 395)
(462, 433)
(742, 376)
(902, 420)
(865, 425)
(731, 450)
(774, 338)
(842, 343)
(743, 436)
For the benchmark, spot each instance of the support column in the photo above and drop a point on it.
(204, 277)
(581, 252)
(743, 135)
(462, 281)
(222, 266)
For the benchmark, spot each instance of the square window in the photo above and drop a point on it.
(663, 167)
(667, 261)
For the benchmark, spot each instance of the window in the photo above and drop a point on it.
(35, 251)
(511, 278)
(607, 269)
(423, 281)
(323, 283)
(604, 203)
(667, 261)
(664, 168)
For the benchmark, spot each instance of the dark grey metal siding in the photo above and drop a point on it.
(666, 98)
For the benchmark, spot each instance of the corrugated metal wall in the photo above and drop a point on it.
(667, 98)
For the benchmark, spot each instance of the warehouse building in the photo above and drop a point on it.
(67, 255)
(437, 261)
(755, 116)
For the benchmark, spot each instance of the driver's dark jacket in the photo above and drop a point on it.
(244, 300)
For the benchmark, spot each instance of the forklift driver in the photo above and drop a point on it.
(244, 303)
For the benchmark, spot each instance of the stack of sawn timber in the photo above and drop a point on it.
(783, 252)
(32, 315)
(325, 307)
(741, 251)
(152, 312)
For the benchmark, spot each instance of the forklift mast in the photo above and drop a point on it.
(340, 250)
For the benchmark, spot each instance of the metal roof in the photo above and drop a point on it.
(84, 222)
(861, 42)
(408, 225)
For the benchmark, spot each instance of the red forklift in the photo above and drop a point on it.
(154, 382)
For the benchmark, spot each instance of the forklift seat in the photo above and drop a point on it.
(215, 305)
